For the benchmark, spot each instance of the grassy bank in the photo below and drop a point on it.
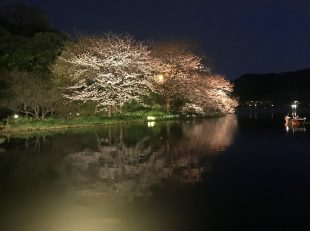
(22, 124)
(31, 124)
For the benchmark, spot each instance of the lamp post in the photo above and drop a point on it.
(294, 109)
(160, 78)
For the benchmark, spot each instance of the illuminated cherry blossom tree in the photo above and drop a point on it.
(221, 93)
(112, 70)
(213, 92)
(177, 67)
(109, 70)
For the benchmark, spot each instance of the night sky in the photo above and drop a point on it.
(238, 36)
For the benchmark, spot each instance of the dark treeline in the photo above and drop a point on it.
(27, 41)
(281, 88)
(28, 45)
(22, 20)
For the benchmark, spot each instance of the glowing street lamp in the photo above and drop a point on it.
(294, 108)
(160, 78)
(15, 116)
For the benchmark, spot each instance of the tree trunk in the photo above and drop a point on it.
(25, 110)
(109, 111)
(110, 136)
(121, 135)
(120, 108)
(167, 106)
(36, 112)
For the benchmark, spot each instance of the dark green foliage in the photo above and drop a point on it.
(28, 44)
(27, 41)
(150, 103)
(34, 53)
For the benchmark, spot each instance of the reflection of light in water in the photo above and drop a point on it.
(151, 124)
(294, 129)
(2, 140)
(212, 135)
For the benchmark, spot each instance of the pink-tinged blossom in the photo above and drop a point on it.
(214, 92)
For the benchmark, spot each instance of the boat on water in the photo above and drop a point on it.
(294, 119)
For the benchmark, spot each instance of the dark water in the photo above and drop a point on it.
(237, 172)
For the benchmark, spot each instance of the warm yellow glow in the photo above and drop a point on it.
(160, 78)
(16, 116)
(151, 118)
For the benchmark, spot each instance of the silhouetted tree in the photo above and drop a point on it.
(24, 20)
(31, 95)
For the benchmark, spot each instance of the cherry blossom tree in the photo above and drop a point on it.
(177, 67)
(220, 92)
(213, 92)
(109, 70)
(183, 75)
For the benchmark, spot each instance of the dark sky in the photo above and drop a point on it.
(239, 36)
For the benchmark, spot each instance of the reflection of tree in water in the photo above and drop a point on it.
(211, 136)
(121, 171)
(81, 177)
(2, 140)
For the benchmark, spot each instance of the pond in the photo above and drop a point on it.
(245, 171)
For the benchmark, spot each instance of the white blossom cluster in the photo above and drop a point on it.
(109, 70)
(214, 92)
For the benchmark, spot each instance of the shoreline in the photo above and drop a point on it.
(68, 126)
(42, 125)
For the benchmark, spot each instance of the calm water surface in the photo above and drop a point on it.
(244, 171)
